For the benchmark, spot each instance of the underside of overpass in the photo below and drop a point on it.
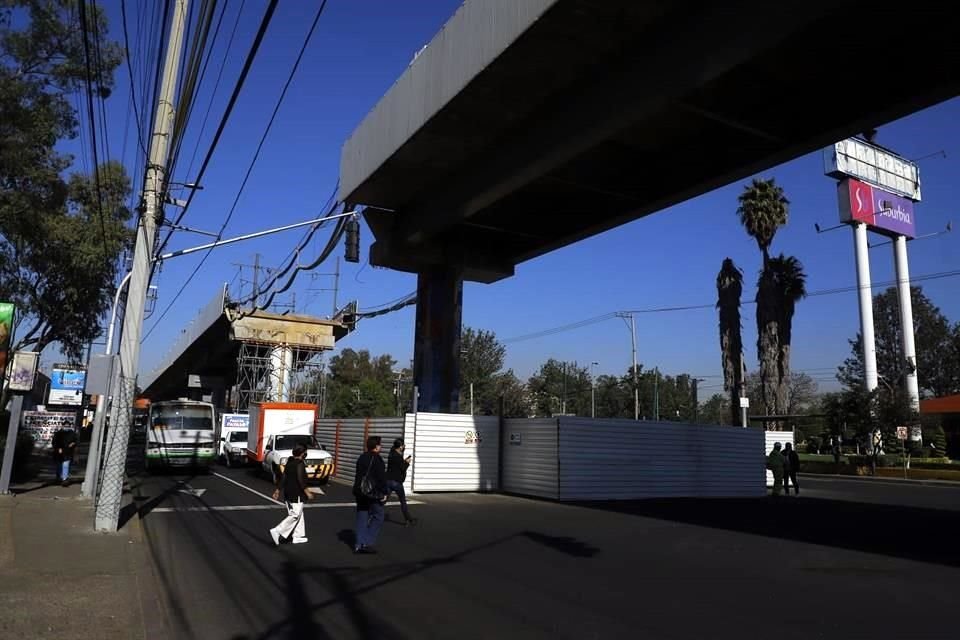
(524, 127)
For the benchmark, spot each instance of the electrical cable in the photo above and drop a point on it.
(133, 91)
(82, 6)
(238, 86)
(812, 294)
(256, 155)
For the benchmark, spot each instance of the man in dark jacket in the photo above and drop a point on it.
(64, 444)
(790, 469)
(293, 489)
(370, 496)
(397, 474)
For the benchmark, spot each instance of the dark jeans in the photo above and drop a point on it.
(368, 524)
(394, 486)
(790, 475)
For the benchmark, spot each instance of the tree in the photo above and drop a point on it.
(729, 292)
(516, 404)
(59, 239)
(801, 392)
(763, 210)
(937, 344)
(560, 387)
(717, 410)
(481, 359)
(360, 385)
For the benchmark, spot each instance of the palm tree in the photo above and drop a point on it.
(791, 286)
(763, 210)
(729, 291)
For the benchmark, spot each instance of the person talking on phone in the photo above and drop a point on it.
(396, 475)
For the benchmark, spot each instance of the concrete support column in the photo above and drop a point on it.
(436, 350)
(281, 365)
(906, 320)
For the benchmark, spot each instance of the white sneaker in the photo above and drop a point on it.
(276, 537)
(299, 540)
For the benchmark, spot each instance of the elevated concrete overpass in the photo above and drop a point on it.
(254, 354)
(525, 126)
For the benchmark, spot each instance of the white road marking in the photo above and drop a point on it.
(243, 486)
(263, 507)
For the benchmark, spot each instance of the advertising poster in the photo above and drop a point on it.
(24, 370)
(66, 386)
(41, 425)
(6, 330)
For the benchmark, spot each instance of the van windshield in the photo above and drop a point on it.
(238, 436)
(181, 416)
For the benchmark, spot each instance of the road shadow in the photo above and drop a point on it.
(563, 544)
(871, 528)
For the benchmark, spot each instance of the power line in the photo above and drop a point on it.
(256, 155)
(813, 294)
(133, 90)
(238, 86)
(82, 5)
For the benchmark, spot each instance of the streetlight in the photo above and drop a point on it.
(593, 391)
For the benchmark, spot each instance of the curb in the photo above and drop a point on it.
(945, 484)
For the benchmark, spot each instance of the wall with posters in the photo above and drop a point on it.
(41, 425)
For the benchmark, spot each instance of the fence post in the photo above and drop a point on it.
(336, 449)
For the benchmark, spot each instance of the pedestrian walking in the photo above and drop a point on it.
(791, 468)
(293, 488)
(370, 492)
(64, 445)
(775, 464)
(396, 475)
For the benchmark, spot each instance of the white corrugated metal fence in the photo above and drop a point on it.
(530, 457)
(454, 452)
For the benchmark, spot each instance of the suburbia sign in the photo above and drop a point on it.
(882, 211)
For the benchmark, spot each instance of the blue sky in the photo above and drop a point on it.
(667, 259)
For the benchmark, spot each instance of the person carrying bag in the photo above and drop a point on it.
(369, 491)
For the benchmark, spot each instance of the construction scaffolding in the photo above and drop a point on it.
(277, 372)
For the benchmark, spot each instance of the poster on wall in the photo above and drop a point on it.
(66, 385)
(6, 330)
(41, 425)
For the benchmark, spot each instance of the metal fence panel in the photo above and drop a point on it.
(455, 452)
(625, 459)
(530, 450)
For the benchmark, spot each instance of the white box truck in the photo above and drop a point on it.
(275, 429)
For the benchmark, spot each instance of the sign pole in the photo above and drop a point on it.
(866, 306)
(15, 412)
(906, 320)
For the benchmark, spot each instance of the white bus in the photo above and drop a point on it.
(181, 433)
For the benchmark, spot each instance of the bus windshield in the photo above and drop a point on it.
(181, 416)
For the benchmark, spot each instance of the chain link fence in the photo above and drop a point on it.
(115, 453)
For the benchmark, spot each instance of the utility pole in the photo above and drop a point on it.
(656, 394)
(633, 344)
(109, 499)
(336, 285)
(255, 280)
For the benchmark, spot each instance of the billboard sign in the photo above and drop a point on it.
(882, 211)
(6, 330)
(855, 158)
(66, 385)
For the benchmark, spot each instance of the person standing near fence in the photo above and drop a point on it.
(293, 488)
(397, 466)
(775, 464)
(370, 492)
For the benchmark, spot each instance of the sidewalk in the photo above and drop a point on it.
(60, 579)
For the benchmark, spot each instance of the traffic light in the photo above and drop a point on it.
(352, 253)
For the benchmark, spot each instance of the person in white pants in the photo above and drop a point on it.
(293, 487)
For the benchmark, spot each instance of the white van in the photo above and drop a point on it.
(232, 445)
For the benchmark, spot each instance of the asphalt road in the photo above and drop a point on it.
(847, 559)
